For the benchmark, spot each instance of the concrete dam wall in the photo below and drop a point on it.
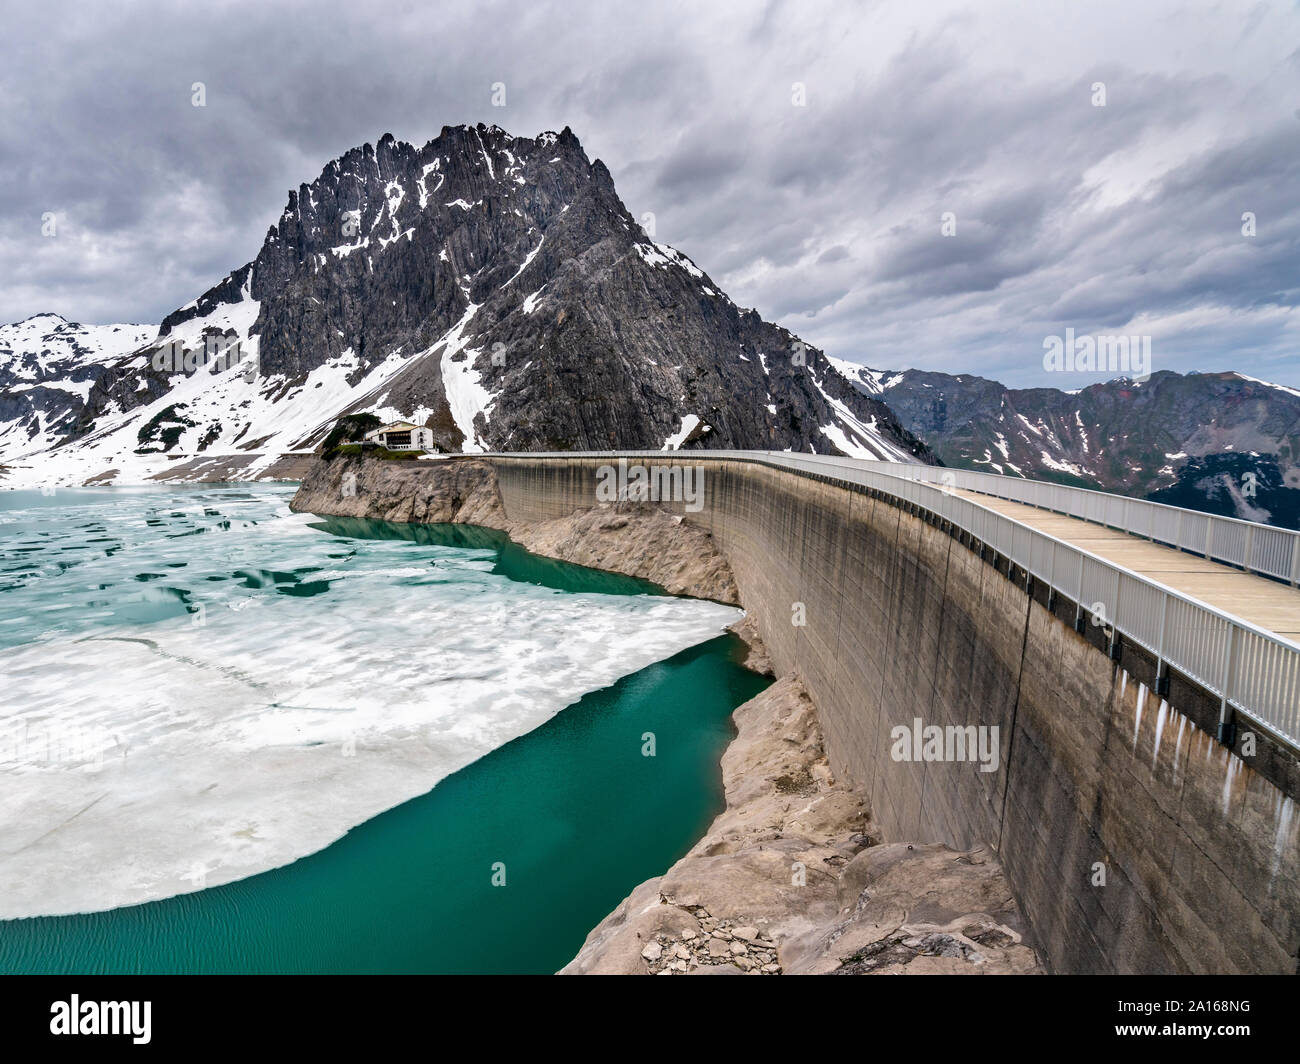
(1134, 840)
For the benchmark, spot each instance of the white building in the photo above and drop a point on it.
(402, 436)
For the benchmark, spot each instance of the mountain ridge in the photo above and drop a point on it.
(1219, 441)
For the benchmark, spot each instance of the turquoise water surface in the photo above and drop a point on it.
(571, 813)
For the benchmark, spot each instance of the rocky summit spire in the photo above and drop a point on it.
(495, 289)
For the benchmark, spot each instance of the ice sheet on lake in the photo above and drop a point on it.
(143, 756)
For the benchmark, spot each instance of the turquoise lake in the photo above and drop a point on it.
(571, 808)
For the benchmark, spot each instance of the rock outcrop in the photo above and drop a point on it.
(793, 878)
(628, 538)
(448, 491)
(757, 658)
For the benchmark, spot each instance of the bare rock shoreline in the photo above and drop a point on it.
(792, 877)
(626, 538)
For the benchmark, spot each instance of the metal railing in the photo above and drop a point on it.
(1249, 668)
(1257, 548)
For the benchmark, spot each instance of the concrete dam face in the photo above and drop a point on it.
(960, 694)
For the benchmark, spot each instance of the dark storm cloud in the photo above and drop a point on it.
(826, 216)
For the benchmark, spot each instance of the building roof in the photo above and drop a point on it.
(396, 426)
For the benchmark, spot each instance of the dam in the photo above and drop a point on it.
(1137, 664)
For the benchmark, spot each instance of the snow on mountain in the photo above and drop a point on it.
(870, 381)
(48, 366)
(852, 435)
(1195, 438)
(493, 288)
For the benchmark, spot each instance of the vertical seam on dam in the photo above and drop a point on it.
(891, 635)
(1015, 716)
(932, 704)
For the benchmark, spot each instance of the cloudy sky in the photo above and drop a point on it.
(827, 217)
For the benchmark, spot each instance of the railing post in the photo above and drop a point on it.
(1162, 671)
(1209, 538)
(1114, 619)
(1229, 656)
(1078, 596)
(1295, 561)
(1249, 563)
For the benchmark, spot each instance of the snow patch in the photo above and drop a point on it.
(673, 442)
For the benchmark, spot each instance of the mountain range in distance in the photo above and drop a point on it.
(1221, 442)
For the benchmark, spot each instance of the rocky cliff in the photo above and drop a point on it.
(493, 288)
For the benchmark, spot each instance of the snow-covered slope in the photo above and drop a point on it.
(848, 431)
(48, 366)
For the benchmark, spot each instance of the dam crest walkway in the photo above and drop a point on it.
(1214, 597)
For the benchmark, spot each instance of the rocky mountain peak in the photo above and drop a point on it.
(493, 288)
